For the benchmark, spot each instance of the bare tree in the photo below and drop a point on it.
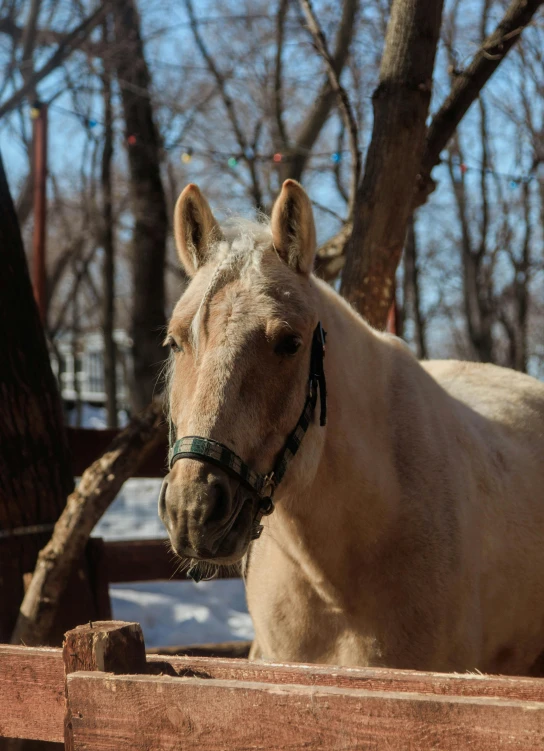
(148, 202)
(384, 199)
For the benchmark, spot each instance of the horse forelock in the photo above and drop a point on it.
(236, 256)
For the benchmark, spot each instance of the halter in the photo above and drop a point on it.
(206, 449)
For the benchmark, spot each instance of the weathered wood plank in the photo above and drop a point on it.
(118, 713)
(370, 679)
(31, 693)
(141, 560)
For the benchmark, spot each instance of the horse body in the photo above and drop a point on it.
(418, 544)
(408, 531)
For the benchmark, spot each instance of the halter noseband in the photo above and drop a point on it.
(206, 449)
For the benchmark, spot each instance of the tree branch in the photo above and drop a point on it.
(324, 100)
(64, 50)
(227, 101)
(343, 99)
(468, 85)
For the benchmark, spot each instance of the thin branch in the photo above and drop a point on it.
(278, 85)
(343, 99)
(64, 50)
(468, 85)
(227, 101)
(325, 97)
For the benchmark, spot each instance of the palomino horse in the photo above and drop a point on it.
(408, 528)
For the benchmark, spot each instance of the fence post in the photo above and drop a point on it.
(107, 646)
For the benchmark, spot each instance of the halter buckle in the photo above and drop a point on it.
(269, 486)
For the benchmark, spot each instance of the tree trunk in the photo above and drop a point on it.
(385, 197)
(35, 472)
(108, 268)
(149, 204)
(412, 302)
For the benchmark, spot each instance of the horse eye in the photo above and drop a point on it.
(174, 346)
(289, 345)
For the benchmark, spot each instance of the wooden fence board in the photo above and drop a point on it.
(371, 679)
(142, 560)
(118, 713)
(88, 445)
(32, 693)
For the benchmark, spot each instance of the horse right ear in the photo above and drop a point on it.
(195, 229)
(293, 228)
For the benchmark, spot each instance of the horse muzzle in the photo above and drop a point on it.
(206, 514)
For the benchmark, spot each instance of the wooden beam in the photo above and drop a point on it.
(230, 649)
(143, 560)
(88, 445)
(371, 679)
(120, 713)
(31, 693)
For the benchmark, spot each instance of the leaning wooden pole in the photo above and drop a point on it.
(99, 485)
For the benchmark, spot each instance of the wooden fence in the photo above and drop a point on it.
(101, 693)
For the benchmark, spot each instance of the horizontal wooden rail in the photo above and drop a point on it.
(142, 560)
(32, 700)
(122, 713)
(88, 445)
(370, 679)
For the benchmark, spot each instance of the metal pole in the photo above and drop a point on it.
(39, 117)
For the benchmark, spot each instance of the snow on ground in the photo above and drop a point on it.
(170, 612)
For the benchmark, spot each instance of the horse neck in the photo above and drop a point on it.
(343, 489)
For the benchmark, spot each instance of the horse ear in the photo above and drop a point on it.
(195, 229)
(293, 228)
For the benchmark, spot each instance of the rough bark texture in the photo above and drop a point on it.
(412, 302)
(99, 485)
(149, 204)
(35, 473)
(385, 196)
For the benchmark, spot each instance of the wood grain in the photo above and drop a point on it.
(31, 693)
(110, 646)
(118, 713)
(370, 679)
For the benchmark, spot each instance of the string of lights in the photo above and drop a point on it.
(233, 158)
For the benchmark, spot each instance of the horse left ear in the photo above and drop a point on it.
(293, 228)
(195, 228)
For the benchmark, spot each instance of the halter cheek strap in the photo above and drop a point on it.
(206, 449)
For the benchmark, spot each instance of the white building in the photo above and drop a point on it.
(79, 368)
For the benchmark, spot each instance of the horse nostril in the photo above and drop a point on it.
(219, 501)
